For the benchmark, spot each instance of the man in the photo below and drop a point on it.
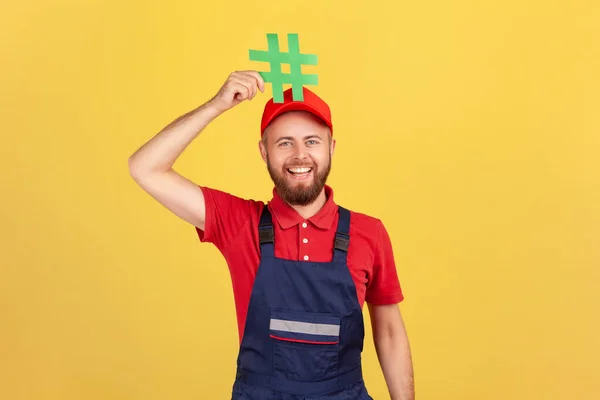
(301, 266)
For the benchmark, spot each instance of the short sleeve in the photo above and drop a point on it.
(384, 286)
(225, 217)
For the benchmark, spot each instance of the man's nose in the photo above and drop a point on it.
(300, 152)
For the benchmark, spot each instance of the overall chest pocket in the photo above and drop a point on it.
(305, 345)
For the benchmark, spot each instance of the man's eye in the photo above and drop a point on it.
(282, 144)
(312, 142)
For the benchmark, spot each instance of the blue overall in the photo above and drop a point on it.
(304, 330)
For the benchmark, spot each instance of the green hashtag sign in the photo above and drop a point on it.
(294, 58)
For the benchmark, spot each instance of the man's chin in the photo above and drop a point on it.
(300, 195)
(298, 192)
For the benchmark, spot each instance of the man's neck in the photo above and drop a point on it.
(308, 211)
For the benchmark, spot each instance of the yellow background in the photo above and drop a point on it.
(471, 128)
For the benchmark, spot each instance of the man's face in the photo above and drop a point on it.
(297, 148)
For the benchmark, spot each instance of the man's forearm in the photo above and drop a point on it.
(393, 352)
(160, 153)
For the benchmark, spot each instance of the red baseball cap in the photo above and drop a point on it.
(312, 104)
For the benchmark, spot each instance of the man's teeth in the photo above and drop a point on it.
(299, 170)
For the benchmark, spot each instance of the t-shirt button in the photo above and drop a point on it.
(304, 225)
(305, 240)
(305, 258)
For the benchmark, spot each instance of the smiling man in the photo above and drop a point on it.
(301, 266)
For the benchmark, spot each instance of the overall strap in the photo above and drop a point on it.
(266, 234)
(342, 236)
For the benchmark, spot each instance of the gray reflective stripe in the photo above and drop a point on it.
(305, 327)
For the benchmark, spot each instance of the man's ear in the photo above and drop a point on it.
(332, 147)
(262, 149)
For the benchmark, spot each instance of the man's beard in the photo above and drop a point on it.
(299, 193)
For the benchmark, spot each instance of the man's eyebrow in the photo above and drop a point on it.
(312, 137)
(304, 138)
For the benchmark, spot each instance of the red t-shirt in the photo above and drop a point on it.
(231, 224)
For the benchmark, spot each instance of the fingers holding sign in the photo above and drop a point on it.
(239, 86)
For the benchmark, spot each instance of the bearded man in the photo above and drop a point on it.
(301, 266)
